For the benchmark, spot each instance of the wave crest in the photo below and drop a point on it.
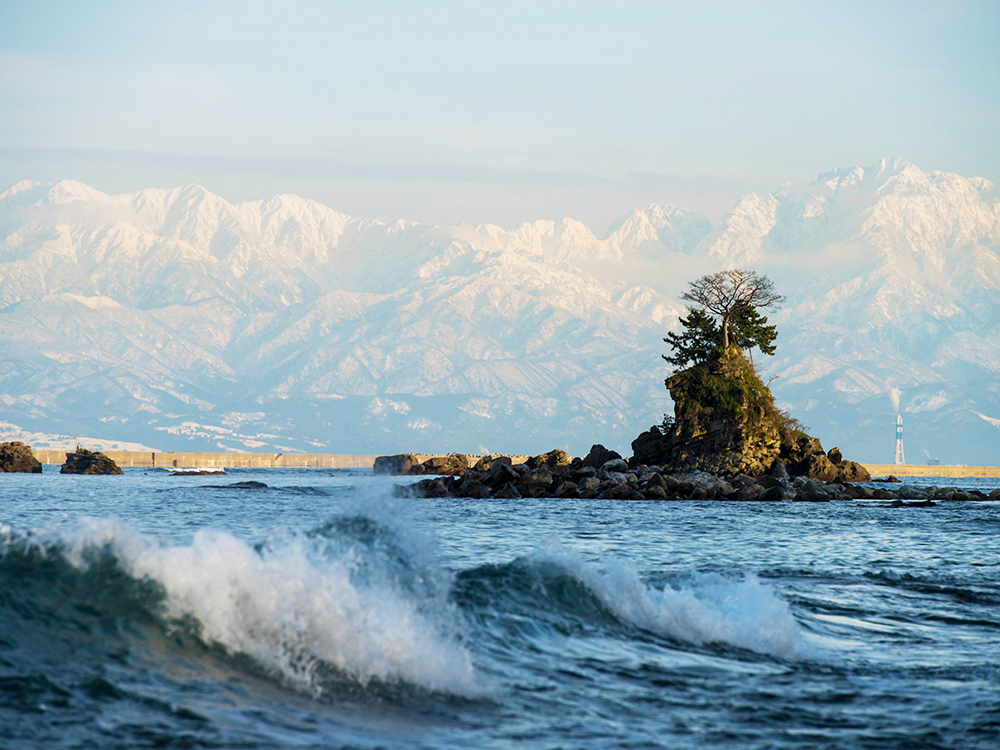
(705, 609)
(301, 607)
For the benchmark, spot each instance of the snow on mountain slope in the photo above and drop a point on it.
(896, 272)
(283, 324)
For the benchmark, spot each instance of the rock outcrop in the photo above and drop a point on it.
(615, 480)
(17, 457)
(725, 423)
(454, 464)
(599, 455)
(395, 465)
(82, 461)
(553, 458)
(803, 456)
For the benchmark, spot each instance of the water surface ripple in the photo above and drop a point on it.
(309, 608)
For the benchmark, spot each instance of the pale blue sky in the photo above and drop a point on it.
(493, 111)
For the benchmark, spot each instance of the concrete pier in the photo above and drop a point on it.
(224, 460)
(920, 470)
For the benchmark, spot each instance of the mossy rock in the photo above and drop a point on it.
(725, 420)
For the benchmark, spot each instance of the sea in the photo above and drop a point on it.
(311, 608)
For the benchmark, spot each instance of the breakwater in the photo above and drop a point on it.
(225, 460)
(920, 470)
(365, 461)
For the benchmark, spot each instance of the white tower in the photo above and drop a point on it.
(899, 440)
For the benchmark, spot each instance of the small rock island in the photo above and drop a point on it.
(16, 457)
(82, 461)
(725, 441)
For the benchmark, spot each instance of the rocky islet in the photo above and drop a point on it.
(83, 461)
(16, 457)
(726, 441)
(616, 479)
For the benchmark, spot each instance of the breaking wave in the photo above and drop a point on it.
(312, 609)
(705, 609)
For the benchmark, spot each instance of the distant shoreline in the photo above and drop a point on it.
(921, 470)
(201, 460)
(366, 461)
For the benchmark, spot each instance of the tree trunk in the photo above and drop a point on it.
(725, 331)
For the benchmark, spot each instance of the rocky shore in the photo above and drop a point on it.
(725, 441)
(555, 474)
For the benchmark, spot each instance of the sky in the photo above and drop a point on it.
(493, 112)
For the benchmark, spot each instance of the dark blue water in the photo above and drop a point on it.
(317, 611)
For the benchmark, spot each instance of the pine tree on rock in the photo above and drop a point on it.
(725, 313)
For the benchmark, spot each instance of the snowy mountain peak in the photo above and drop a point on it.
(70, 191)
(868, 178)
(742, 238)
(19, 187)
(656, 229)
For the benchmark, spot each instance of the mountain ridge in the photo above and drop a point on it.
(172, 307)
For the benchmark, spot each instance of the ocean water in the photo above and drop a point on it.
(311, 609)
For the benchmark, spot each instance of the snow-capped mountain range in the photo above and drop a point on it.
(175, 319)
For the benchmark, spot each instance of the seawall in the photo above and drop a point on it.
(225, 460)
(920, 470)
(365, 461)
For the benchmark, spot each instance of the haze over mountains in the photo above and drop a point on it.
(174, 319)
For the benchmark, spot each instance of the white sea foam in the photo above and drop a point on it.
(297, 604)
(710, 608)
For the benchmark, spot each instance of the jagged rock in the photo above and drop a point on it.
(780, 473)
(487, 462)
(804, 456)
(813, 491)
(454, 464)
(650, 448)
(567, 490)
(614, 465)
(500, 474)
(767, 482)
(16, 457)
(655, 492)
(398, 464)
(83, 461)
(471, 485)
(508, 492)
(851, 471)
(474, 490)
(656, 480)
(581, 472)
(796, 449)
(553, 458)
(772, 494)
(818, 466)
(537, 477)
(599, 455)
